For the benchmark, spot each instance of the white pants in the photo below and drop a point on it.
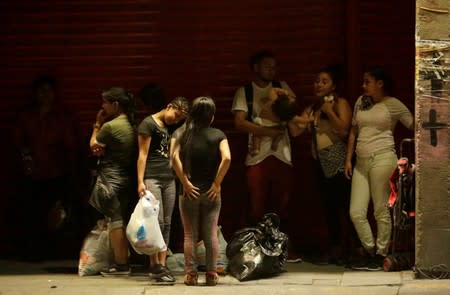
(371, 180)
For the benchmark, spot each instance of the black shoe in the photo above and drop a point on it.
(116, 270)
(361, 264)
(166, 279)
(376, 263)
(370, 263)
(158, 271)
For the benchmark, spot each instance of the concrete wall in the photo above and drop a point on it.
(432, 133)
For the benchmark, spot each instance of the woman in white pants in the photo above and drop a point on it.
(374, 119)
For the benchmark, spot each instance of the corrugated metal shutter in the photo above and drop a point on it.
(192, 48)
(390, 41)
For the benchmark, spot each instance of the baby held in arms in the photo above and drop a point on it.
(278, 108)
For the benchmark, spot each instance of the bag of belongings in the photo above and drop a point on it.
(143, 231)
(257, 252)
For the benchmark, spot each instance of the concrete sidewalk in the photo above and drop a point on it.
(60, 277)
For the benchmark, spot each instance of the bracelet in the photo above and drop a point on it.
(96, 126)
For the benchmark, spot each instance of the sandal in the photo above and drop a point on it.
(191, 278)
(211, 278)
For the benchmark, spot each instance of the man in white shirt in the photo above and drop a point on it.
(269, 172)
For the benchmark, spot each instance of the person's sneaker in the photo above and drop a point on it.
(165, 279)
(375, 263)
(158, 270)
(361, 264)
(191, 278)
(211, 278)
(116, 270)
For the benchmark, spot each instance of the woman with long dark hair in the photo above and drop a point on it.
(201, 161)
(330, 116)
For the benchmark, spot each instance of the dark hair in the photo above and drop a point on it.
(380, 74)
(43, 80)
(153, 96)
(284, 108)
(200, 116)
(257, 57)
(181, 103)
(125, 99)
(335, 72)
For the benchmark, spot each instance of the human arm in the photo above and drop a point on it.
(190, 190)
(400, 112)
(339, 114)
(214, 190)
(242, 124)
(350, 149)
(144, 146)
(299, 124)
(97, 148)
(241, 121)
(172, 145)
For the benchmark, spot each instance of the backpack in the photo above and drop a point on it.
(249, 97)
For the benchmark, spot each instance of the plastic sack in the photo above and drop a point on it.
(96, 252)
(257, 252)
(143, 231)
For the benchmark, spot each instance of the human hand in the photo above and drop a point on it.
(275, 92)
(97, 150)
(100, 118)
(141, 189)
(327, 107)
(191, 191)
(348, 169)
(214, 191)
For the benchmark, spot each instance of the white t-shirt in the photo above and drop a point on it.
(376, 125)
(283, 151)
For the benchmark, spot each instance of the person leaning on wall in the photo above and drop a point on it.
(375, 116)
(113, 141)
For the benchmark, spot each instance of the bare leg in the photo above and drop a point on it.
(275, 142)
(154, 259)
(162, 257)
(158, 258)
(119, 244)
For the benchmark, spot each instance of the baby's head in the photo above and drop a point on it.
(285, 107)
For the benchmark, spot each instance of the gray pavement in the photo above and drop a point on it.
(60, 277)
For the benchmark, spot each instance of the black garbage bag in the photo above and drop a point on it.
(258, 252)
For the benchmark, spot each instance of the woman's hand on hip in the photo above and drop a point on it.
(213, 192)
(191, 191)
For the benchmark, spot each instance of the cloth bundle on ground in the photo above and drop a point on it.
(260, 251)
(143, 231)
(96, 252)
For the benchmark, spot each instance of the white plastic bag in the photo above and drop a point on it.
(143, 231)
(96, 252)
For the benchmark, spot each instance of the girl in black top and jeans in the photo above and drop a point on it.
(201, 161)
